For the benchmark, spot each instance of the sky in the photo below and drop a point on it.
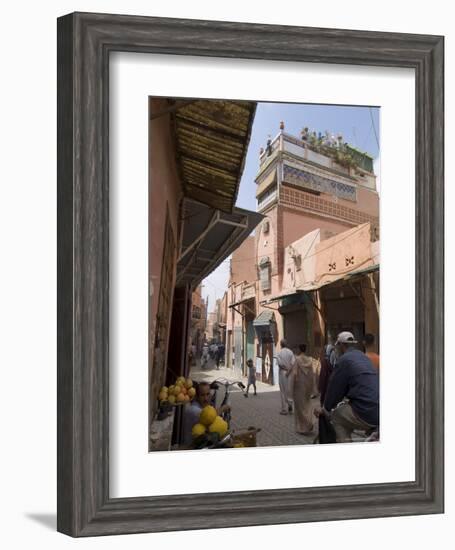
(358, 125)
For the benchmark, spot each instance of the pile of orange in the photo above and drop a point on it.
(182, 391)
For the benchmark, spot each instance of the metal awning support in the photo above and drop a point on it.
(242, 301)
(243, 225)
(211, 224)
(249, 309)
(238, 231)
(208, 237)
(375, 292)
(237, 310)
(186, 268)
(356, 293)
(282, 296)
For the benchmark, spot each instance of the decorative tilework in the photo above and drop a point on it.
(315, 182)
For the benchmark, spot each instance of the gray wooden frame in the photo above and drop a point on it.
(84, 44)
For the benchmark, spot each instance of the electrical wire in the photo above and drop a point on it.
(374, 128)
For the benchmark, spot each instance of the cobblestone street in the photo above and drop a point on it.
(261, 411)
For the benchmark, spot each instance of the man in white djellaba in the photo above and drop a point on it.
(285, 359)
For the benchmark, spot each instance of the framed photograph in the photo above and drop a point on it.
(250, 265)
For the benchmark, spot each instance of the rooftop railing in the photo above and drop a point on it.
(341, 155)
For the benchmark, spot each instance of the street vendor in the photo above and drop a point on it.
(193, 410)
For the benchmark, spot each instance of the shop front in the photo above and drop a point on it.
(352, 304)
(298, 315)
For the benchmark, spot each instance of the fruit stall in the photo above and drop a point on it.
(210, 431)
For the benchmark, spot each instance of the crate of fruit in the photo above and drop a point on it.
(245, 438)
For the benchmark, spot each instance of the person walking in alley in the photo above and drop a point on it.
(212, 348)
(204, 355)
(368, 342)
(217, 356)
(221, 351)
(251, 377)
(301, 382)
(352, 398)
(285, 359)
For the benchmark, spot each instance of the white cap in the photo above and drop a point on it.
(346, 338)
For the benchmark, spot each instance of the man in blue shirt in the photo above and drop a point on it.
(193, 410)
(352, 398)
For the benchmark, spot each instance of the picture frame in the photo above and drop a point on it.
(85, 41)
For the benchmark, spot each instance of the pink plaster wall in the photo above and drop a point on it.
(332, 254)
(267, 244)
(223, 309)
(270, 245)
(297, 224)
(305, 247)
(237, 294)
(243, 269)
(196, 298)
(266, 248)
(243, 262)
(367, 201)
(376, 251)
(164, 194)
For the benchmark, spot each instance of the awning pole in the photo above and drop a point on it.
(319, 310)
(237, 310)
(357, 294)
